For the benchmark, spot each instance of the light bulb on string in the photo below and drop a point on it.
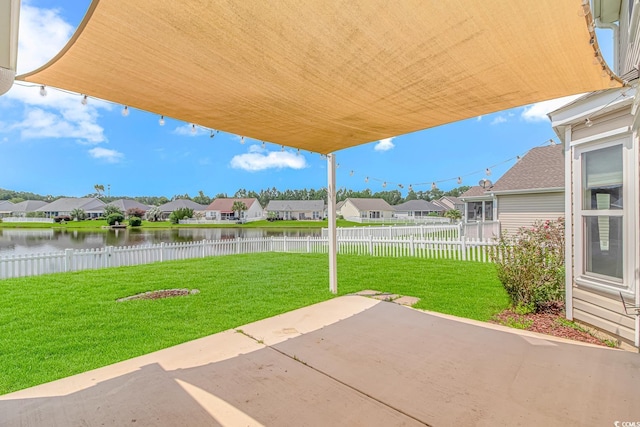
(518, 158)
(282, 148)
(410, 187)
(193, 128)
(212, 134)
(384, 184)
(298, 152)
(125, 111)
(43, 91)
(264, 145)
(612, 82)
(487, 172)
(434, 186)
(351, 173)
(584, 9)
(366, 179)
(400, 185)
(588, 123)
(596, 58)
(161, 121)
(242, 140)
(459, 180)
(84, 100)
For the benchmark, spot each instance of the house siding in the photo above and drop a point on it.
(605, 123)
(515, 211)
(348, 210)
(603, 312)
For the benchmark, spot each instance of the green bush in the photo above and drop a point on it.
(135, 221)
(115, 217)
(179, 214)
(111, 209)
(531, 268)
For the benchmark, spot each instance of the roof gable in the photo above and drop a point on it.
(180, 204)
(370, 204)
(418, 205)
(29, 205)
(540, 168)
(296, 205)
(67, 204)
(226, 204)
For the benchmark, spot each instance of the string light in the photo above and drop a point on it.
(193, 128)
(487, 171)
(410, 188)
(588, 123)
(434, 186)
(212, 134)
(264, 145)
(282, 148)
(459, 180)
(161, 121)
(351, 173)
(242, 140)
(298, 152)
(400, 185)
(384, 184)
(366, 179)
(84, 100)
(125, 111)
(43, 91)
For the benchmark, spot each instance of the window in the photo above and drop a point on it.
(601, 220)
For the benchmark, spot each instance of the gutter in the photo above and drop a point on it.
(529, 191)
(9, 20)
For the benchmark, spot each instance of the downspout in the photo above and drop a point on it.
(9, 19)
(616, 45)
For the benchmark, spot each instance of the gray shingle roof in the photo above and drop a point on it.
(181, 203)
(475, 191)
(418, 206)
(540, 168)
(296, 205)
(125, 204)
(6, 206)
(29, 205)
(67, 204)
(370, 204)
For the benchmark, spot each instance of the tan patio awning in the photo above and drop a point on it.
(323, 75)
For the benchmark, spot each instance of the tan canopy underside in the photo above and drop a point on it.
(323, 75)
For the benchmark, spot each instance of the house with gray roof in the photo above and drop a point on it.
(174, 205)
(366, 210)
(125, 204)
(221, 209)
(533, 189)
(418, 209)
(23, 208)
(296, 209)
(91, 206)
(6, 207)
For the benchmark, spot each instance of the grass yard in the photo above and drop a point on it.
(58, 325)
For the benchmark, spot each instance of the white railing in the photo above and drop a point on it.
(482, 230)
(440, 232)
(25, 219)
(217, 221)
(88, 259)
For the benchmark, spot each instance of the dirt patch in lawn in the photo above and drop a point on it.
(551, 323)
(164, 293)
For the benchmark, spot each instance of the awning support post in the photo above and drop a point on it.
(331, 208)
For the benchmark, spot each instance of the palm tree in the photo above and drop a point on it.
(239, 207)
(78, 214)
(453, 214)
(99, 189)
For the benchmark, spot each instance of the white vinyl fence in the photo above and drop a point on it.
(25, 219)
(88, 259)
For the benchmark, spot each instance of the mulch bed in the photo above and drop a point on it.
(545, 323)
(164, 293)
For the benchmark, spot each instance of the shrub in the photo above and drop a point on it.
(179, 214)
(111, 209)
(135, 221)
(154, 213)
(61, 218)
(115, 217)
(135, 212)
(531, 266)
(78, 214)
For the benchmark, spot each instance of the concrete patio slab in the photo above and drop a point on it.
(347, 362)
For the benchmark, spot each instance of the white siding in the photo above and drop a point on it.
(601, 124)
(348, 210)
(603, 312)
(515, 211)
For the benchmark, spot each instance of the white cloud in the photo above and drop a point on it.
(43, 33)
(109, 156)
(538, 112)
(498, 120)
(479, 118)
(258, 159)
(384, 144)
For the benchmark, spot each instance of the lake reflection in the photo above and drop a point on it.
(28, 241)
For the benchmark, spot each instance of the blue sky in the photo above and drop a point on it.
(55, 145)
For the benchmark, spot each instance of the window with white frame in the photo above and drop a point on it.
(600, 223)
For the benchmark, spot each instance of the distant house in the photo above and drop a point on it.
(417, 209)
(90, 205)
(450, 203)
(6, 207)
(363, 210)
(296, 209)
(221, 209)
(533, 189)
(174, 205)
(23, 208)
(125, 204)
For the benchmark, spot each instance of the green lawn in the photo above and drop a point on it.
(58, 325)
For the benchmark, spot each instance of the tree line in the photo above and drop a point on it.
(393, 197)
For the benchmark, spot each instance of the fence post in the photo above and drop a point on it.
(271, 244)
(68, 259)
(370, 244)
(161, 251)
(308, 244)
(412, 246)
(463, 247)
(237, 245)
(284, 244)
(108, 254)
(203, 247)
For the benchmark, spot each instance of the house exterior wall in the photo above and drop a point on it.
(520, 210)
(349, 210)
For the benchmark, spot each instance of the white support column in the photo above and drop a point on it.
(568, 224)
(331, 207)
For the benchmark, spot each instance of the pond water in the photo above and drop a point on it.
(29, 241)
